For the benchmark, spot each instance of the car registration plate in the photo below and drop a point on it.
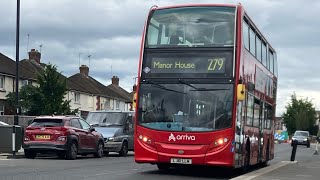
(43, 136)
(181, 161)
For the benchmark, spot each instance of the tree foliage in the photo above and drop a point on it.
(300, 114)
(45, 99)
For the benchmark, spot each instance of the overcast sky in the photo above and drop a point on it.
(110, 31)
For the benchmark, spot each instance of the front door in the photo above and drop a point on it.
(82, 134)
(261, 126)
(92, 143)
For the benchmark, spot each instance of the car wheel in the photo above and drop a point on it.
(308, 145)
(124, 149)
(99, 152)
(72, 151)
(30, 154)
(61, 154)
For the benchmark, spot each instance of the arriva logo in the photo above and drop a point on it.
(182, 137)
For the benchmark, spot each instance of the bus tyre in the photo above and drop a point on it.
(124, 149)
(163, 167)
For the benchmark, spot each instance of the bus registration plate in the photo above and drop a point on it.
(181, 161)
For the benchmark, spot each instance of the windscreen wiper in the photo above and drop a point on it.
(204, 89)
(182, 82)
(99, 125)
(116, 124)
(162, 87)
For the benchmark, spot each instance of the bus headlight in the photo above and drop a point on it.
(218, 143)
(147, 142)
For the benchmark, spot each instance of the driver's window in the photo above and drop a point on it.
(130, 122)
(84, 124)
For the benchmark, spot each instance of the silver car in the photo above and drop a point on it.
(302, 138)
(116, 128)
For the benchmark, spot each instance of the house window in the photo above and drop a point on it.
(26, 82)
(118, 105)
(1, 109)
(77, 97)
(1, 82)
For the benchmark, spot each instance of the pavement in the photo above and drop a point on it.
(18, 155)
(306, 166)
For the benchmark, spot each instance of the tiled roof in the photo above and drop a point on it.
(83, 83)
(29, 69)
(121, 92)
(7, 65)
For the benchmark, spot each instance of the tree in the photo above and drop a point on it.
(300, 115)
(29, 97)
(47, 98)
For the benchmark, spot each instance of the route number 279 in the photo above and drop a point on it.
(215, 64)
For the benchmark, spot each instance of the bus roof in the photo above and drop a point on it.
(194, 5)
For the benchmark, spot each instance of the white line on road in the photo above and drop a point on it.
(262, 171)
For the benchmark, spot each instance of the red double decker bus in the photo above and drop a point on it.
(206, 91)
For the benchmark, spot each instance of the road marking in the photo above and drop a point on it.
(116, 172)
(303, 175)
(262, 171)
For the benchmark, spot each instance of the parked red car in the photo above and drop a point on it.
(67, 136)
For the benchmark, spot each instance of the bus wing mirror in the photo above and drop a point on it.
(241, 89)
(134, 100)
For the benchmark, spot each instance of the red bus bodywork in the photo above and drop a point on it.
(156, 147)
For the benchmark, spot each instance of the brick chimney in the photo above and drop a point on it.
(115, 80)
(84, 70)
(134, 88)
(35, 55)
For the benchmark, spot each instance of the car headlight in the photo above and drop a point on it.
(305, 139)
(111, 138)
(293, 138)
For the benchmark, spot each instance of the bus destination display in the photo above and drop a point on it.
(188, 65)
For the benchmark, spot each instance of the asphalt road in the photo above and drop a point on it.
(114, 167)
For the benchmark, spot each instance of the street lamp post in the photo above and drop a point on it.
(16, 119)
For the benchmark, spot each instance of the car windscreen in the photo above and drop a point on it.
(106, 118)
(47, 123)
(299, 133)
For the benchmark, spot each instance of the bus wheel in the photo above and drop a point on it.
(163, 167)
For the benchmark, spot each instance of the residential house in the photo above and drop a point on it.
(84, 92)
(91, 95)
(7, 80)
